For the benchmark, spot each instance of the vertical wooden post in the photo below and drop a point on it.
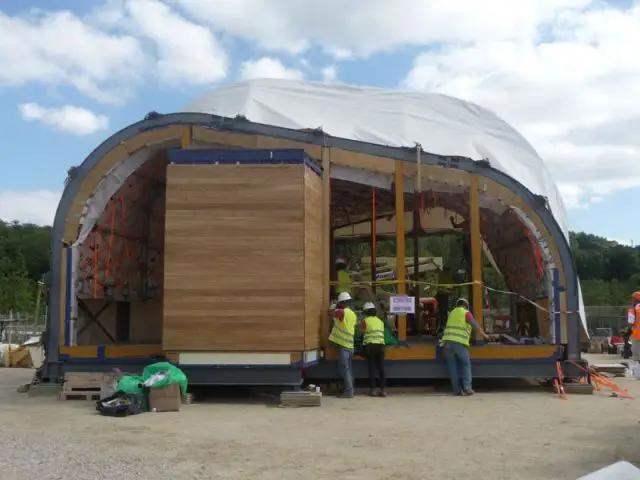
(374, 240)
(475, 238)
(186, 136)
(416, 271)
(326, 242)
(400, 246)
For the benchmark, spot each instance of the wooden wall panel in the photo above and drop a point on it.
(234, 258)
(313, 260)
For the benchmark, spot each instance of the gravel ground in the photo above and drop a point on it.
(498, 434)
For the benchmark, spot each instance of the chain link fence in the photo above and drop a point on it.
(17, 329)
(611, 317)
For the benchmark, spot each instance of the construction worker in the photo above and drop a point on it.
(342, 333)
(455, 338)
(343, 276)
(634, 322)
(373, 342)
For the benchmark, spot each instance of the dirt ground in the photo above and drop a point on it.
(496, 434)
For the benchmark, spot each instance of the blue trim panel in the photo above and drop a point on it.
(67, 299)
(285, 156)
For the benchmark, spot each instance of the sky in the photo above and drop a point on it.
(565, 73)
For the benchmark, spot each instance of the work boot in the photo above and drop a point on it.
(382, 393)
(373, 392)
(346, 394)
(467, 393)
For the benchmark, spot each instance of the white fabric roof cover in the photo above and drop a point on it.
(440, 124)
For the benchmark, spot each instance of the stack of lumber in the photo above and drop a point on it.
(301, 399)
(85, 386)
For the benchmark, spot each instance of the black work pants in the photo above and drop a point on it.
(375, 361)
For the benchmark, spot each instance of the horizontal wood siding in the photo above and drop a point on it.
(313, 271)
(234, 258)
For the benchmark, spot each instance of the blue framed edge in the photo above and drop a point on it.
(67, 298)
(285, 156)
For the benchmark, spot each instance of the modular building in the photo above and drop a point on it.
(208, 237)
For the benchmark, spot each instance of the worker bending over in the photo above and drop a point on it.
(456, 337)
(342, 333)
(373, 342)
(634, 322)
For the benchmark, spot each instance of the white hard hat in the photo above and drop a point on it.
(340, 260)
(369, 306)
(344, 297)
(463, 300)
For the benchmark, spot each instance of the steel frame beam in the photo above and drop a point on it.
(314, 137)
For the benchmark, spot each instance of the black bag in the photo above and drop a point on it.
(120, 405)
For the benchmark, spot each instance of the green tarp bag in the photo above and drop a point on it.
(174, 375)
(131, 385)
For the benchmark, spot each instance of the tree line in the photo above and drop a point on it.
(609, 272)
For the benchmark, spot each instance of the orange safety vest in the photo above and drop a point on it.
(634, 320)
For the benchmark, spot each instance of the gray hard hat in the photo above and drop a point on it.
(463, 301)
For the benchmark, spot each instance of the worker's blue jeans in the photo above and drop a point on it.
(459, 365)
(345, 361)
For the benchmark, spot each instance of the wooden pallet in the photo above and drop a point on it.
(85, 386)
(301, 399)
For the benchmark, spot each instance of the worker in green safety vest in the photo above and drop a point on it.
(373, 340)
(456, 338)
(342, 335)
(344, 277)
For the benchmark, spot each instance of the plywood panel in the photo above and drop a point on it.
(234, 258)
(145, 327)
(313, 259)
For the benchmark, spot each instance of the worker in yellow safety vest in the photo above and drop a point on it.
(634, 322)
(342, 333)
(343, 276)
(456, 338)
(373, 342)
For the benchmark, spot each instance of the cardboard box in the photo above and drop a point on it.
(165, 399)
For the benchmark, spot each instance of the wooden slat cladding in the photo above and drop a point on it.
(234, 258)
(313, 260)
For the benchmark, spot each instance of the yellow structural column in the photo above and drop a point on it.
(475, 238)
(400, 245)
(186, 136)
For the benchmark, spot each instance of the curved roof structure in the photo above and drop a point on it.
(442, 125)
(360, 127)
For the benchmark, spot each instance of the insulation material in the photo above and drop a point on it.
(121, 257)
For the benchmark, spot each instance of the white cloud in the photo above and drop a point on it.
(187, 52)
(576, 98)
(70, 119)
(37, 207)
(267, 67)
(106, 55)
(58, 48)
(363, 27)
(329, 74)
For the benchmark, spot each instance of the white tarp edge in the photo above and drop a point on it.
(109, 185)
